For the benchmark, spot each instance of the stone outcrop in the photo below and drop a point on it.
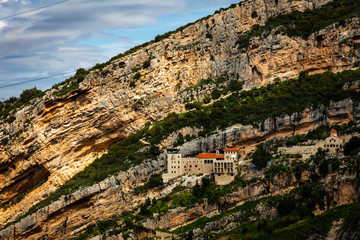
(340, 186)
(65, 134)
(71, 214)
(244, 137)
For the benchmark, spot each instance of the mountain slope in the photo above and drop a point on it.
(57, 137)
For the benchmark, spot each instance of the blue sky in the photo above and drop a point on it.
(80, 33)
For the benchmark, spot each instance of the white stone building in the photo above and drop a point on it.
(334, 142)
(223, 166)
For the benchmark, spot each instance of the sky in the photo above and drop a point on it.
(40, 38)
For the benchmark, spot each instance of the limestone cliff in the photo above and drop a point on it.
(72, 214)
(56, 137)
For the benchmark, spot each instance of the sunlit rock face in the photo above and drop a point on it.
(57, 137)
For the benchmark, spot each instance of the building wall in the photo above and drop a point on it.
(333, 143)
(231, 155)
(174, 166)
(224, 169)
(305, 151)
(193, 166)
(223, 179)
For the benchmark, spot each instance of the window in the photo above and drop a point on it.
(195, 165)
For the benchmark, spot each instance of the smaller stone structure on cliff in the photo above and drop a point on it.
(334, 142)
(223, 166)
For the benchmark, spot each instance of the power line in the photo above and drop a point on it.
(33, 10)
(37, 79)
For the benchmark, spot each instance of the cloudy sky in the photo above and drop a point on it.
(40, 38)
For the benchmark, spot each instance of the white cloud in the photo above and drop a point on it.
(3, 24)
(77, 33)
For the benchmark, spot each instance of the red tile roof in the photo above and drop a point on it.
(230, 149)
(333, 131)
(210, 155)
(332, 137)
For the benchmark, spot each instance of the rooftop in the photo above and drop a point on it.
(231, 149)
(210, 155)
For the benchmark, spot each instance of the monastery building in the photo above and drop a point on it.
(223, 166)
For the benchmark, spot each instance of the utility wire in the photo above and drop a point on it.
(33, 10)
(28, 11)
(37, 79)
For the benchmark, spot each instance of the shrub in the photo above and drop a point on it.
(215, 94)
(286, 205)
(30, 94)
(254, 14)
(206, 99)
(261, 157)
(147, 63)
(352, 147)
(196, 105)
(154, 181)
(132, 84)
(209, 36)
(235, 85)
(137, 76)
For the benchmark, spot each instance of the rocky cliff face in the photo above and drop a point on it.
(60, 136)
(247, 137)
(279, 185)
(71, 214)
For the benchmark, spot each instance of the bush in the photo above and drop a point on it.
(137, 76)
(261, 157)
(254, 14)
(216, 93)
(154, 181)
(286, 205)
(207, 99)
(30, 94)
(147, 63)
(196, 105)
(235, 85)
(352, 147)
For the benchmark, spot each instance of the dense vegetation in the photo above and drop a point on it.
(246, 107)
(352, 147)
(14, 103)
(28, 96)
(294, 216)
(304, 24)
(71, 83)
(293, 210)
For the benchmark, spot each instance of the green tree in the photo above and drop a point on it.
(352, 147)
(261, 157)
(29, 94)
(216, 93)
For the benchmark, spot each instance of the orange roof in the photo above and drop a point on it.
(210, 155)
(333, 131)
(336, 137)
(230, 149)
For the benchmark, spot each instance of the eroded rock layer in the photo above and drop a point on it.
(62, 135)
